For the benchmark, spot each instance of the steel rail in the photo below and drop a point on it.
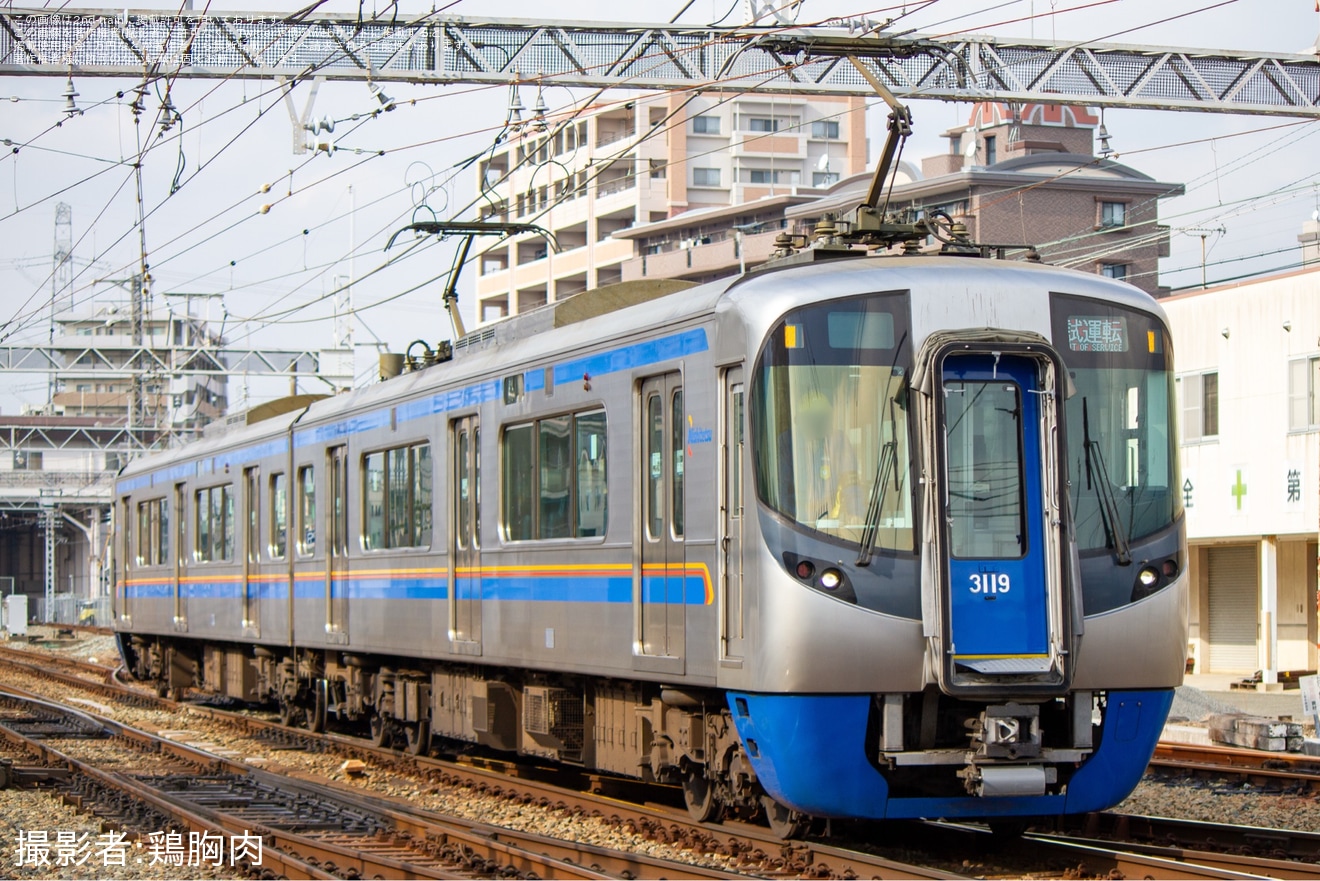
(754, 849)
(233, 796)
(282, 864)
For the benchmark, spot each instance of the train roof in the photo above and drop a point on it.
(636, 309)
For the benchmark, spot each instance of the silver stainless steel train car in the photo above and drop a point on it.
(869, 537)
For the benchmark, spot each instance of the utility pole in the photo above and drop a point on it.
(136, 407)
(1204, 234)
(61, 277)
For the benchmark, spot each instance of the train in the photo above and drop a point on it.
(877, 537)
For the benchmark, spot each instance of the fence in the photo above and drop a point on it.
(69, 609)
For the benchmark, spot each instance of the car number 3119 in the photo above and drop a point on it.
(989, 582)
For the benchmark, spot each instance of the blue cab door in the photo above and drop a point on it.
(999, 604)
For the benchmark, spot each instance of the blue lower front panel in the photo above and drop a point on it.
(809, 752)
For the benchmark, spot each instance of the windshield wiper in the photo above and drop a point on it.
(888, 459)
(887, 465)
(1097, 473)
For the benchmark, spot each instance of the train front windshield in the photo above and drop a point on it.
(830, 421)
(1121, 455)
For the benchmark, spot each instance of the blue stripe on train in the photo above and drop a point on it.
(629, 357)
(689, 590)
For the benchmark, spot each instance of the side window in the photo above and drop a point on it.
(396, 498)
(1200, 406)
(252, 538)
(214, 540)
(373, 496)
(144, 532)
(398, 470)
(589, 432)
(163, 531)
(422, 496)
(153, 533)
(1303, 394)
(519, 458)
(279, 516)
(554, 471)
(306, 510)
(554, 479)
(202, 534)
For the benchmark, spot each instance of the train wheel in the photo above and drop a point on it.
(1006, 829)
(699, 796)
(419, 738)
(291, 713)
(382, 731)
(315, 718)
(784, 821)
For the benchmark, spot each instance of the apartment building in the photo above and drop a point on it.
(589, 180)
(1028, 175)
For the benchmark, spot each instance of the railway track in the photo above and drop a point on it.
(307, 831)
(1098, 845)
(1268, 770)
(744, 848)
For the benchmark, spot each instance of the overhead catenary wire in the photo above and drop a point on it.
(160, 263)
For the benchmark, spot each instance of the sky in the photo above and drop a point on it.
(234, 213)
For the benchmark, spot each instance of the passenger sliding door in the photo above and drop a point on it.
(731, 513)
(660, 581)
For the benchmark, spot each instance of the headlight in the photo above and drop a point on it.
(1147, 582)
(830, 579)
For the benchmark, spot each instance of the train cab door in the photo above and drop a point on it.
(732, 458)
(336, 556)
(1003, 602)
(252, 553)
(660, 580)
(181, 554)
(465, 581)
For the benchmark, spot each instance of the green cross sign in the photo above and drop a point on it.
(1239, 490)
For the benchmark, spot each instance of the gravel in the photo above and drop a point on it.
(1207, 800)
(1220, 801)
(100, 648)
(1193, 704)
(219, 738)
(39, 812)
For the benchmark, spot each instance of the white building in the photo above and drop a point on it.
(643, 162)
(1247, 357)
(97, 347)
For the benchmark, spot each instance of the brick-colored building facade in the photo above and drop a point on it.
(1029, 177)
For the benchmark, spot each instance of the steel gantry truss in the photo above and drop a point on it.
(442, 49)
(334, 366)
